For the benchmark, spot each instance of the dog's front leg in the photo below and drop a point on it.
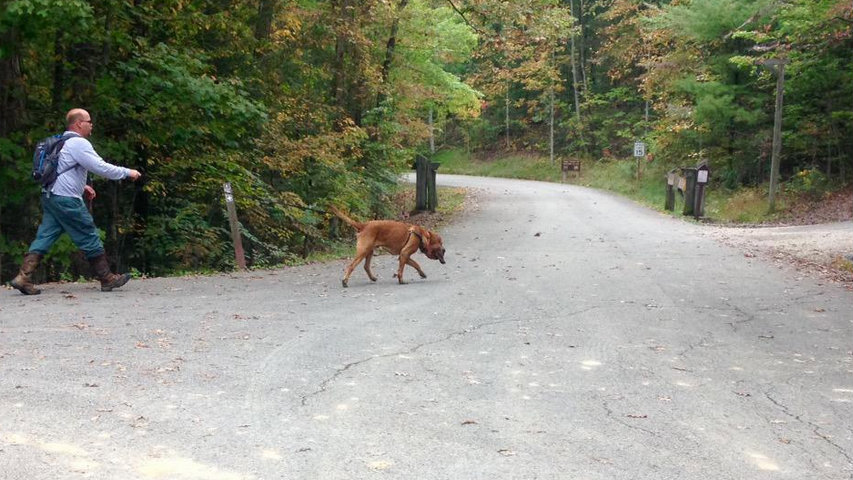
(404, 259)
(417, 267)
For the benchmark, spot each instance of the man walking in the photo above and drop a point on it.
(63, 209)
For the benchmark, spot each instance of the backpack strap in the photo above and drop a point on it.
(58, 148)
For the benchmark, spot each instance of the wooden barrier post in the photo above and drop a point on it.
(239, 255)
(689, 190)
(432, 188)
(703, 174)
(669, 203)
(421, 194)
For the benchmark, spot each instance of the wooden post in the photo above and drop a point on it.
(239, 256)
(432, 189)
(669, 202)
(689, 174)
(421, 171)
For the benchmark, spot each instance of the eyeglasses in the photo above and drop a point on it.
(87, 121)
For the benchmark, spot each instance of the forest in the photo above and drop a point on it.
(303, 103)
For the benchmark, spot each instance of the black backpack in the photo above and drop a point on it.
(46, 159)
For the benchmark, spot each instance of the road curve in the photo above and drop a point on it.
(571, 334)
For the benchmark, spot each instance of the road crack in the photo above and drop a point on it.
(814, 427)
(340, 371)
(609, 413)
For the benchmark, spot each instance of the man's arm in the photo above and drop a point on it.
(84, 154)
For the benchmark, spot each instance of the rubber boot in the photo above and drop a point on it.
(23, 281)
(109, 280)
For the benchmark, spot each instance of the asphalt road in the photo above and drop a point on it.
(571, 335)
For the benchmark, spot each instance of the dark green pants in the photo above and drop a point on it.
(69, 215)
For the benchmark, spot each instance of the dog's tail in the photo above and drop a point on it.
(358, 226)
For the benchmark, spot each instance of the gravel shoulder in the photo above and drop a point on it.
(822, 250)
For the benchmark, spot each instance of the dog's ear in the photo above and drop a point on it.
(434, 237)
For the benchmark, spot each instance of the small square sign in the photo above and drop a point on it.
(639, 149)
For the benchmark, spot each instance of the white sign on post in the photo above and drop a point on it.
(639, 149)
(229, 195)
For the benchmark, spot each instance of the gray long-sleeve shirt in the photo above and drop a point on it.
(76, 159)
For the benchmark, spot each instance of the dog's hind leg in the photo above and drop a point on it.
(367, 259)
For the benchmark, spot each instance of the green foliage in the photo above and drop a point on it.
(709, 21)
(742, 206)
(181, 239)
(31, 18)
(170, 102)
(811, 182)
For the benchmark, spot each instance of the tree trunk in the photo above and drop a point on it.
(431, 132)
(108, 43)
(575, 70)
(338, 69)
(777, 133)
(263, 24)
(551, 118)
(392, 42)
(11, 84)
(551, 122)
(582, 49)
(507, 115)
(390, 46)
(58, 71)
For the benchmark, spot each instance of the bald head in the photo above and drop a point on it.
(75, 115)
(79, 121)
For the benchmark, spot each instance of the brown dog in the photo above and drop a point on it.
(397, 237)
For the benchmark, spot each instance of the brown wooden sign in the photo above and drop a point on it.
(571, 165)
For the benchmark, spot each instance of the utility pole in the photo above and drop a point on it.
(778, 67)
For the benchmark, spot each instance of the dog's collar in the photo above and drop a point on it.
(420, 240)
